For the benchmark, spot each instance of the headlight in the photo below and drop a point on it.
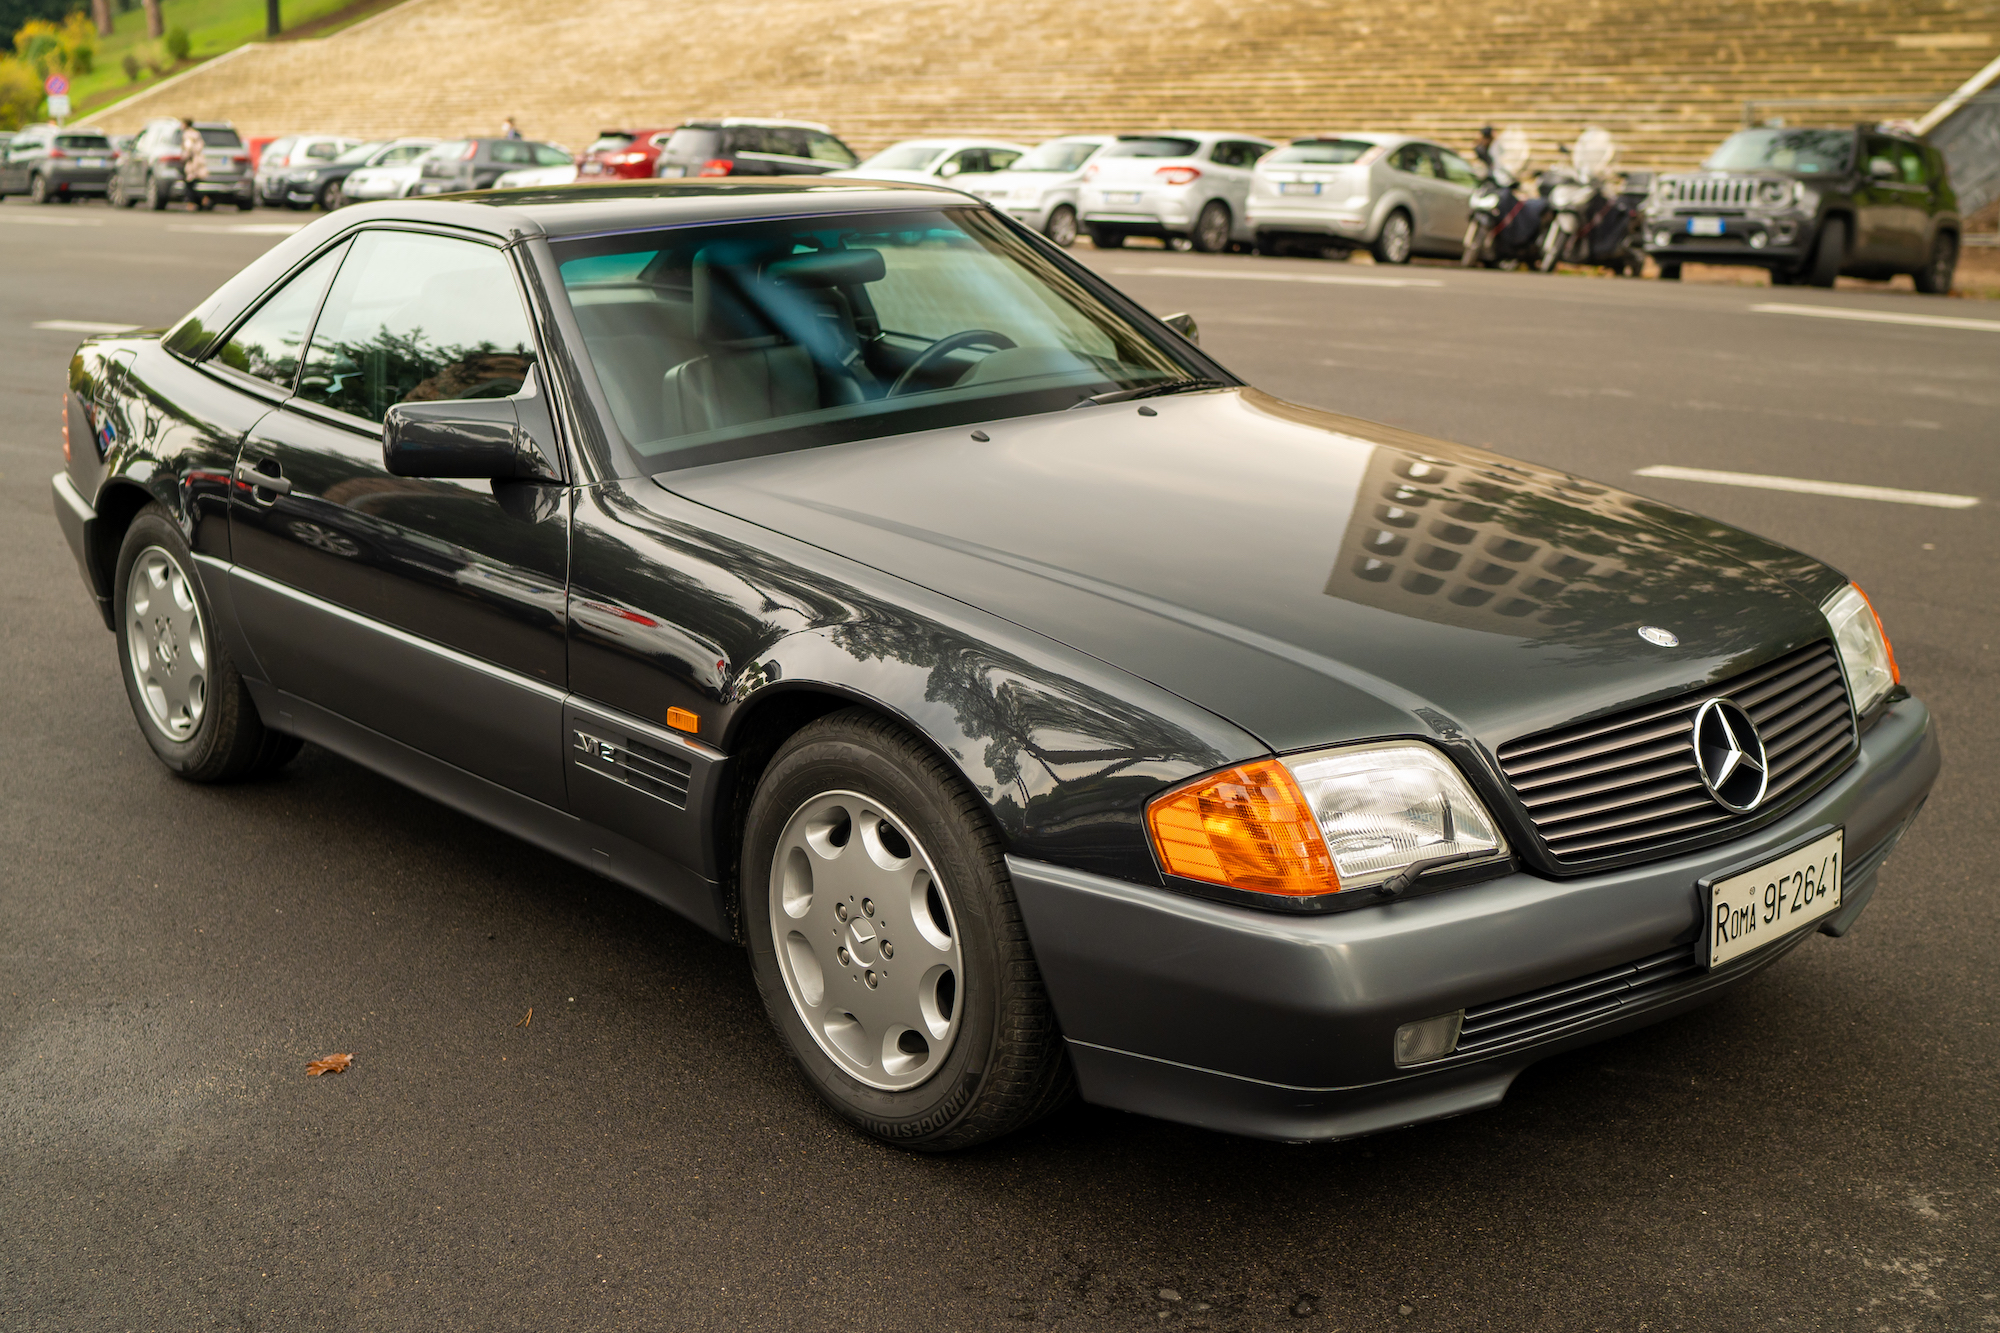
(1774, 194)
(1864, 649)
(1324, 822)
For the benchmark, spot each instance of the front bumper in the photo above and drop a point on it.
(1282, 1026)
(78, 180)
(1748, 237)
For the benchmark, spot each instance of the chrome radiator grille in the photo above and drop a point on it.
(1627, 784)
(1714, 191)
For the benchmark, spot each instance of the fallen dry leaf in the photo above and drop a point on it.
(527, 1018)
(329, 1064)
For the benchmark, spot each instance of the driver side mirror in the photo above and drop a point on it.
(501, 439)
(951, 168)
(1882, 169)
(1183, 324)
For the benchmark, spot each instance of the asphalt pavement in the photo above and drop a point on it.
(1816, 1150)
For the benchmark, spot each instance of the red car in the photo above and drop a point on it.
(622, 155)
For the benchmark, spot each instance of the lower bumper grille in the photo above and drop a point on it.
(1538, 1014)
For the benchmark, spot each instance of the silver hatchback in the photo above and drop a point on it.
(1387, 193)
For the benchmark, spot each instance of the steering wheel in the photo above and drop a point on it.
(943, 348)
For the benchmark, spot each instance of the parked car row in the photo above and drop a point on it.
(1806, 204)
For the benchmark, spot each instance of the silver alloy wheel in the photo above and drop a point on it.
(166, 644)
(1396, 238)
(1062, 226)
(866, 941)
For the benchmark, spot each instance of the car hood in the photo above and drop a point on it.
(1310, 577)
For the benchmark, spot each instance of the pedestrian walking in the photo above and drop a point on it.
(194, 162)
(509, 130)
(1482, 148)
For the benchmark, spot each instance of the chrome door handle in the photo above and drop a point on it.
(263, 481)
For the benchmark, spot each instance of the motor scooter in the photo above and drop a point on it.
(1506, 225)
(1588, 222)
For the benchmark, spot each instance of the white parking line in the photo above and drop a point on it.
(242, 228)
(1756, 481)
(82, 326)
(44, 220)
(1329, 279)
(1879, 316)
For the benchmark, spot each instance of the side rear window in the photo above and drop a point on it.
(417, 318)
(513, 152)
(323, 151)
(1456, 169)
(548, 155)
(267, 345)
(826, 148)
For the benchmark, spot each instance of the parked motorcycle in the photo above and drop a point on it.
(1589, 222)
(1506, 225)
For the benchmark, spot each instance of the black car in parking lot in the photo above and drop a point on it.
(474, 164)
(1810, 205)
(318, 184)
(815, 557)
(742, 146)
(52, 165)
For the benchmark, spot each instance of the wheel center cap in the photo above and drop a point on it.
(861, 941)
(165, 647)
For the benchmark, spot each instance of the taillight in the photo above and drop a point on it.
(170, 157)
(470, 150)
(240, 159)
(626, 159)
(65, 428)
(1090, 172)
(56, 153)
(1178, 175)
(716, 166)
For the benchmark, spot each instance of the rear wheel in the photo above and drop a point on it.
(886, 942)
(191, 704)
(1211, 229)
(1828, 253)
(1934, 278)
(1392, 246)
(157, 194)
(1104, 238)
(1061, 226)
(38, 189)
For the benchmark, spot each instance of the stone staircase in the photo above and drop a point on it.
(1668, 80)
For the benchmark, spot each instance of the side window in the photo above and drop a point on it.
(1410, 157)
(752, 139)
(513, 153)
(965, 159)
(548, 155)
(1910, 161)
(415, 318)
(322, 151)
(999, 159)
(267, 345)
(1238, 154)
(826, 148)
(403, 153)
(1880, 149)
(1456, 169)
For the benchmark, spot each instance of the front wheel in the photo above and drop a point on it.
(1211, 229)
(38, 189)
(191, 704)
(1934, 278)
(886, 943)
(157, 194)
(1828, 253)
(1475, 245)
(1061, 226)
(1392, 245)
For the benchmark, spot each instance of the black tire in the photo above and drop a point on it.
(245, 202)
(1934, 278)
(1005, 1066)
(1396, 239)
(228, 740)
(328, 197)
(1105, 238)
(1828, 253)
(1670, 270)
(114, 192)
(1554, 241)
(1211, 228)
(157, 195)
(1474, 246)
(1061, 226)
(38, 189)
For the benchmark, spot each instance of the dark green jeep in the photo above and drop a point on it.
(1810, 205)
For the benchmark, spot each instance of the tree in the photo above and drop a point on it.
(155, 25)
(100, 13)
(273, 23)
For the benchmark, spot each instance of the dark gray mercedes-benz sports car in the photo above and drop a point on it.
(1042, 707)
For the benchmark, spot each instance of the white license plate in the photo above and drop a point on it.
(1298, 187)
(1762, 906)
(92, 162)
(1123, 196)
(673, 171)
(1704, 226)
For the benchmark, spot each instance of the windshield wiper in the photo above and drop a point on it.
(1149, 391)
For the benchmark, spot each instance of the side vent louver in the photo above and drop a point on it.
(639, 766)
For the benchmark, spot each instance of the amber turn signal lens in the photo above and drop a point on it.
(682, 720)
(1249, 828)
(1888, 649)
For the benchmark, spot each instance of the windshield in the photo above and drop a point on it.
(609, 143)
(1062, 155)
(359, 153)
(1321, 152)
(1804, 152)
(905, 157)
(1152, 148)
(716, 342)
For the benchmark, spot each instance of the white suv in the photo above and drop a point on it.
(1189, 187)
(1040, 187)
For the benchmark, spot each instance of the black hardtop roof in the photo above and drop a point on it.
(556, 211)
